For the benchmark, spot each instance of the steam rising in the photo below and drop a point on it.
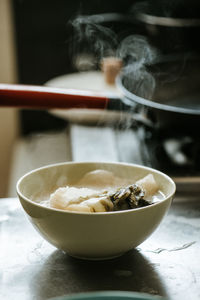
(135, 52)
(101, 40)
(139, 81)
(136, 49)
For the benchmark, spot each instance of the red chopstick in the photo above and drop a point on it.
(38, 97)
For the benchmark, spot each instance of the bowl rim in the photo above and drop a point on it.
(104, 294)
(20, 194)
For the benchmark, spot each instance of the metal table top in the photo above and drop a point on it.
(166, 264)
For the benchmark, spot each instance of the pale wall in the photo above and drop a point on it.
(8, 117)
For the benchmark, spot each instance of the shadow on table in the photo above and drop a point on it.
(62, 274)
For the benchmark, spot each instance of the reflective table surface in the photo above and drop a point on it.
(167, 264)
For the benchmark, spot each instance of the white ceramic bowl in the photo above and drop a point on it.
(91, 235)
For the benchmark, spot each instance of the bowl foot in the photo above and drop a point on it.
(95, 258)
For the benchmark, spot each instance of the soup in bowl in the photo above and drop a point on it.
(95, 210)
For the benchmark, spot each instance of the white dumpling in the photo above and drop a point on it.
(98, 178)
(101, 204)
(80, 199)
(149, 185)
(65, 196)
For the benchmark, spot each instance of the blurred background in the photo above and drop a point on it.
(38, 42)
